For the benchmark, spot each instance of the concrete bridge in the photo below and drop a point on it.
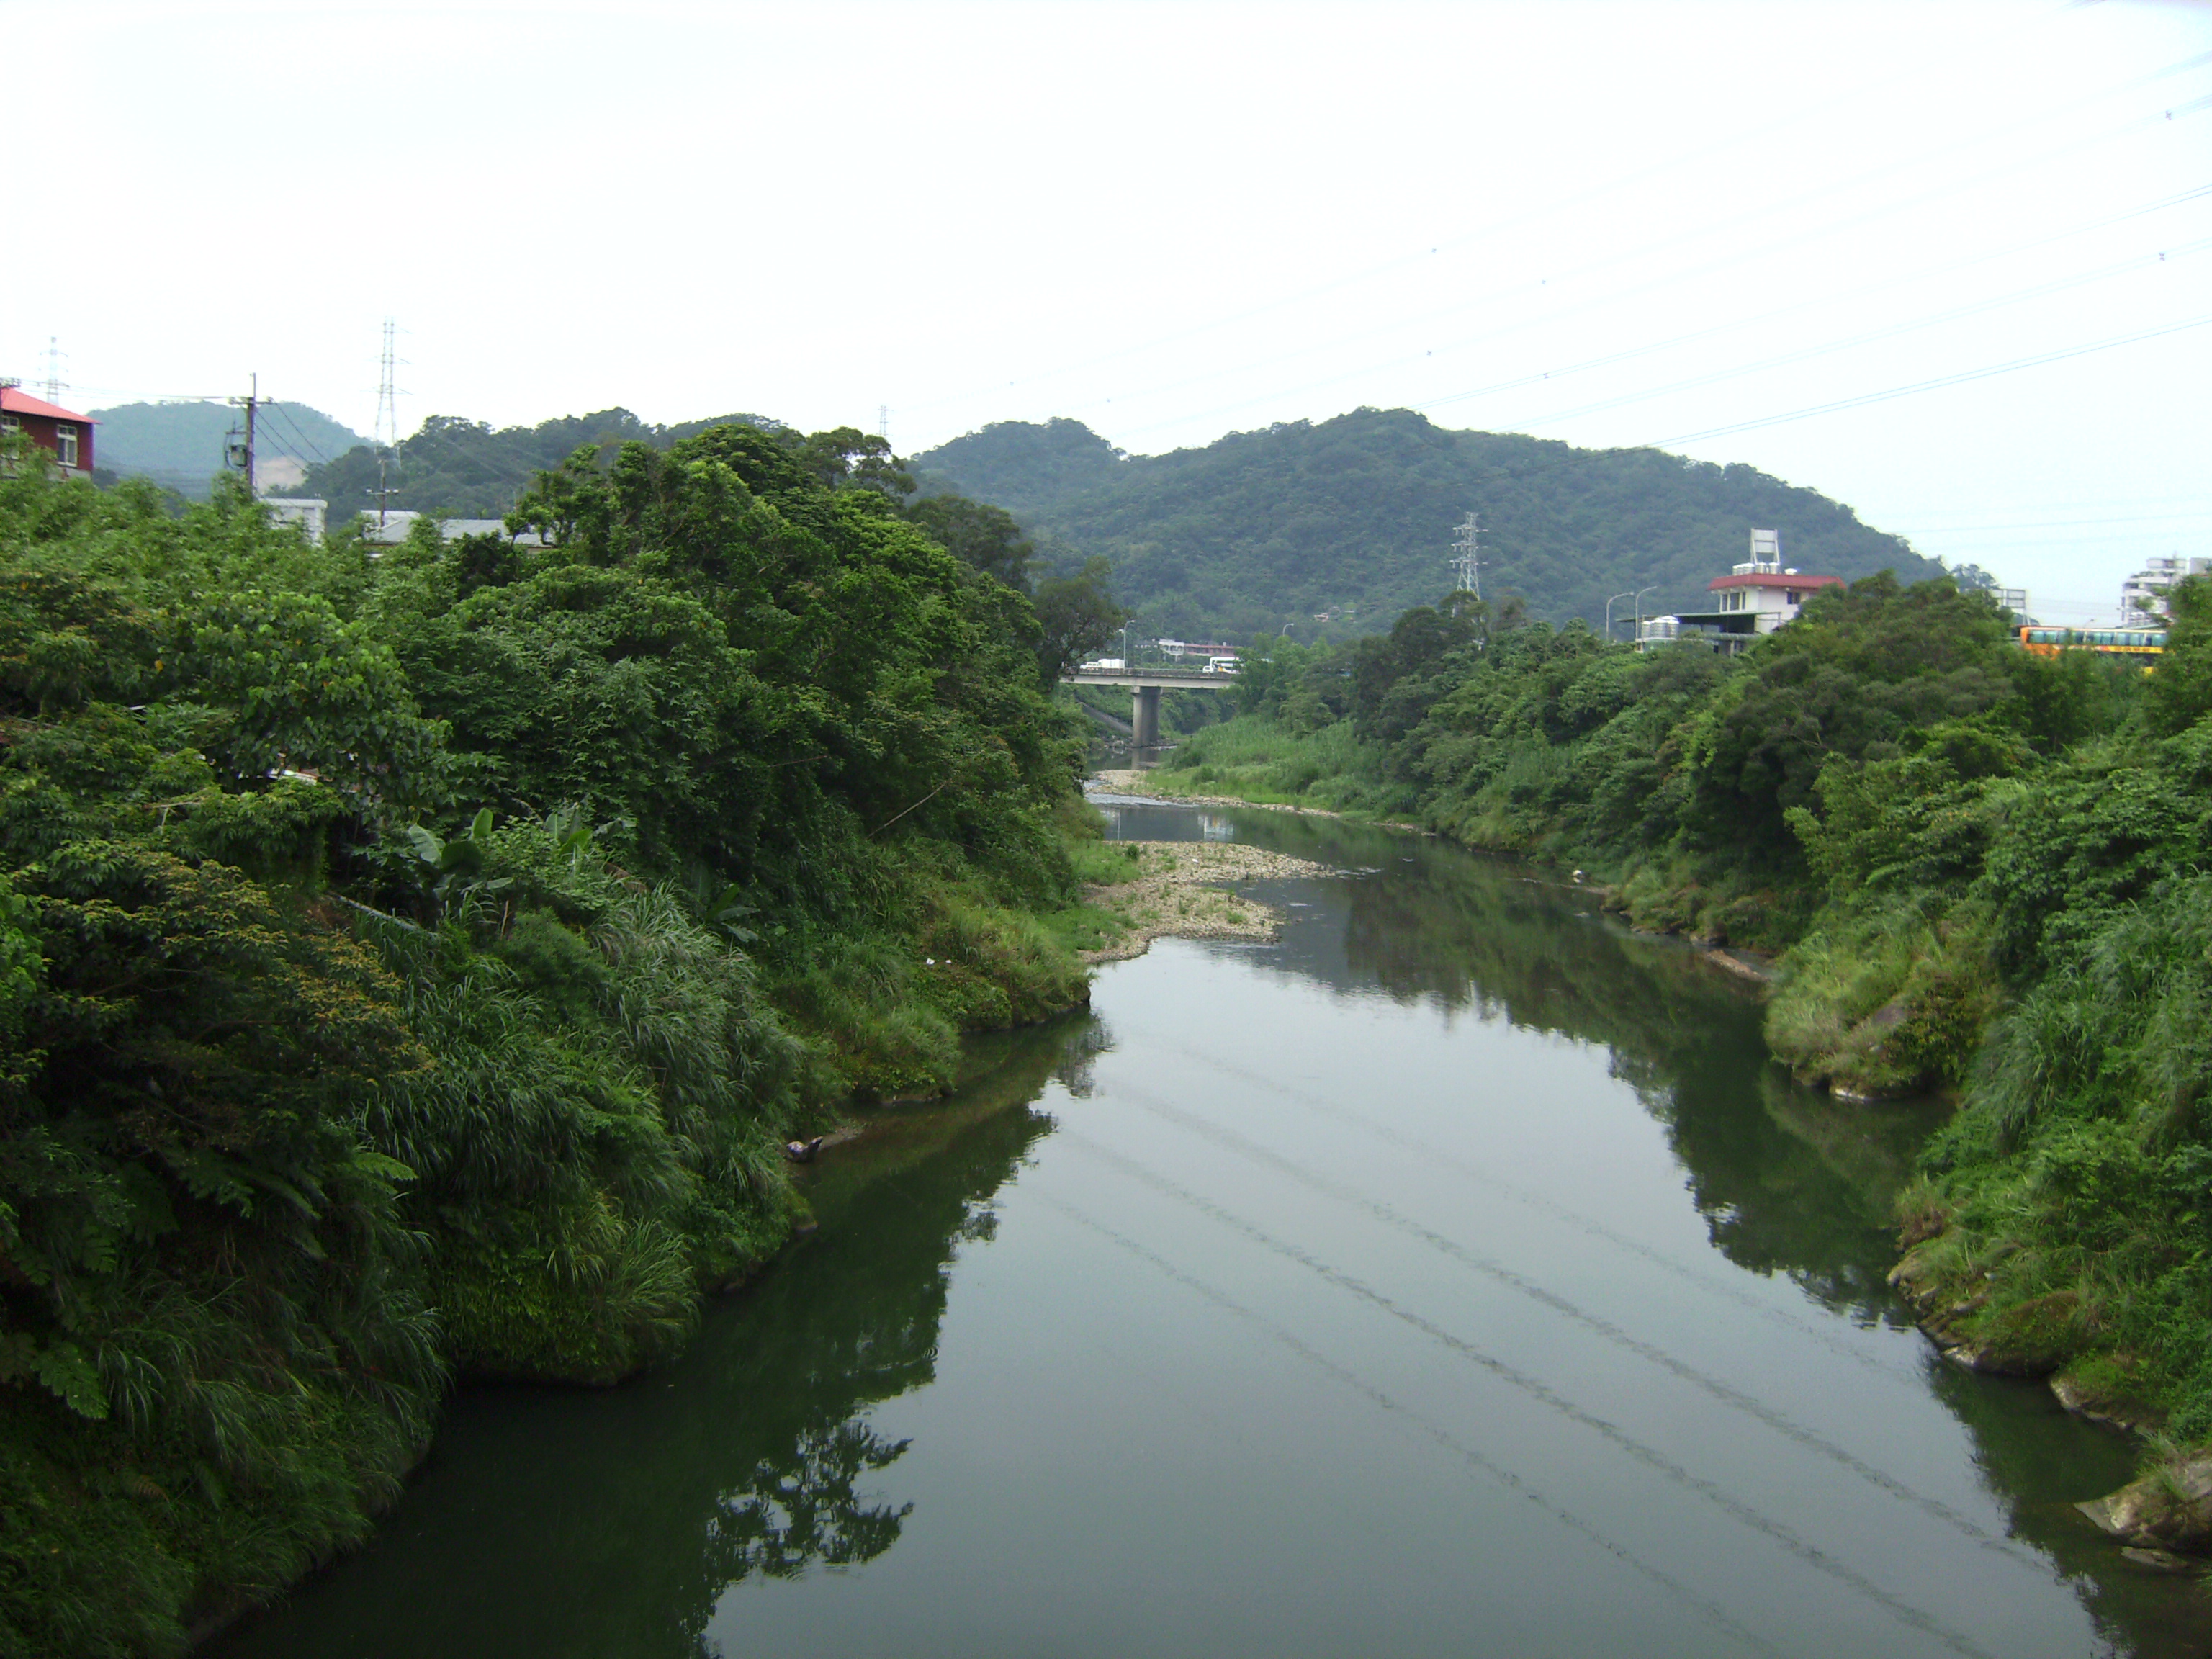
(1148, 683)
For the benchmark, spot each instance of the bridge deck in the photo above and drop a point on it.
(1148, 679)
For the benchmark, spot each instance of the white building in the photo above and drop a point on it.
(1758, 596)
(308, 512)
(389, 529)
(2144, 592)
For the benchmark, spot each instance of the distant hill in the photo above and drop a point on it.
(460, 468)
(1354, 518)
(180, 445)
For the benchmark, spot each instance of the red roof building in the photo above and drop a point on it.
(1757, 597)
(61, 433)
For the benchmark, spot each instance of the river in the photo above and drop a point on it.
(1457, 1276)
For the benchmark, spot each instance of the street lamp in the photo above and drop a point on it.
(1640, 592)
(1609, 616)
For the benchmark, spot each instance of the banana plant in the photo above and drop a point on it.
(453, 870)
(726, 912)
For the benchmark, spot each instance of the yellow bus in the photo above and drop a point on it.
(2144, 642)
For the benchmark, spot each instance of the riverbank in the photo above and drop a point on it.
(1758, 970)
(1952, 1306)
(1146, 782)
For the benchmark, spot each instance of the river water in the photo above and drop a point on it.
(1458, 1276)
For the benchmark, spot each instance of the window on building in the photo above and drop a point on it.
(66, 444)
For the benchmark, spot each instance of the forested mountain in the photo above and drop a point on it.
(1353, 517)
(453, 468)
(180, 445)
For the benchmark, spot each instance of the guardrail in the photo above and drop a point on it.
(1121, 675)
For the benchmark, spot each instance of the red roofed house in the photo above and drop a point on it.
(1756, 598)
(61, 433)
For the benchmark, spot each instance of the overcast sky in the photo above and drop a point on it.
(1609, 223)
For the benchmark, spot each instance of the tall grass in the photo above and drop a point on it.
(1257, 758)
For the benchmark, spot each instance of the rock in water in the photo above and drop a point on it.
(2169, 1508)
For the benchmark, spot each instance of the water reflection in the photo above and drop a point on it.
(553, 1522)
(1789, 1179)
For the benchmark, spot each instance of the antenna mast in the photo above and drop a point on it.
(1466, 555)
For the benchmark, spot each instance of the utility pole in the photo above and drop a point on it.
(1466, 555)
(241, 455)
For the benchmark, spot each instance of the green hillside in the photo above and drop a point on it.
(1353, 517)
(180, 445)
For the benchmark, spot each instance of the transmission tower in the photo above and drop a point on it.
(884, 422)
(55, 385)
(387, 398)
(1466, 555)
(386, 435)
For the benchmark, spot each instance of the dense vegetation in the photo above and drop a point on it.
(1354, 518)
(1985, 867)
(453, 468)
(413, 964)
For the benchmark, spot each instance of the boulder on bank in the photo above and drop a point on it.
(2105, 1387)
(2026, 1338)
(2169, 1510)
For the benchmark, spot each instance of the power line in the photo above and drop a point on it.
(1960, 379)
(2039, 291)
(1732, 140)
(1817, 302)
(2067, 524)
(1674, 278)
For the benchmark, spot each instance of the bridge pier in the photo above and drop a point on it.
(1147, 718)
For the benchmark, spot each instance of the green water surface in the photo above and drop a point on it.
(1457, 1276)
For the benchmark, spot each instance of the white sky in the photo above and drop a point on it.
(1172, 221)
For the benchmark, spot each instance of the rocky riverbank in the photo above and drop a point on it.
(1186, 889)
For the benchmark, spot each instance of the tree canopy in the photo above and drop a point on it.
(413, 964)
